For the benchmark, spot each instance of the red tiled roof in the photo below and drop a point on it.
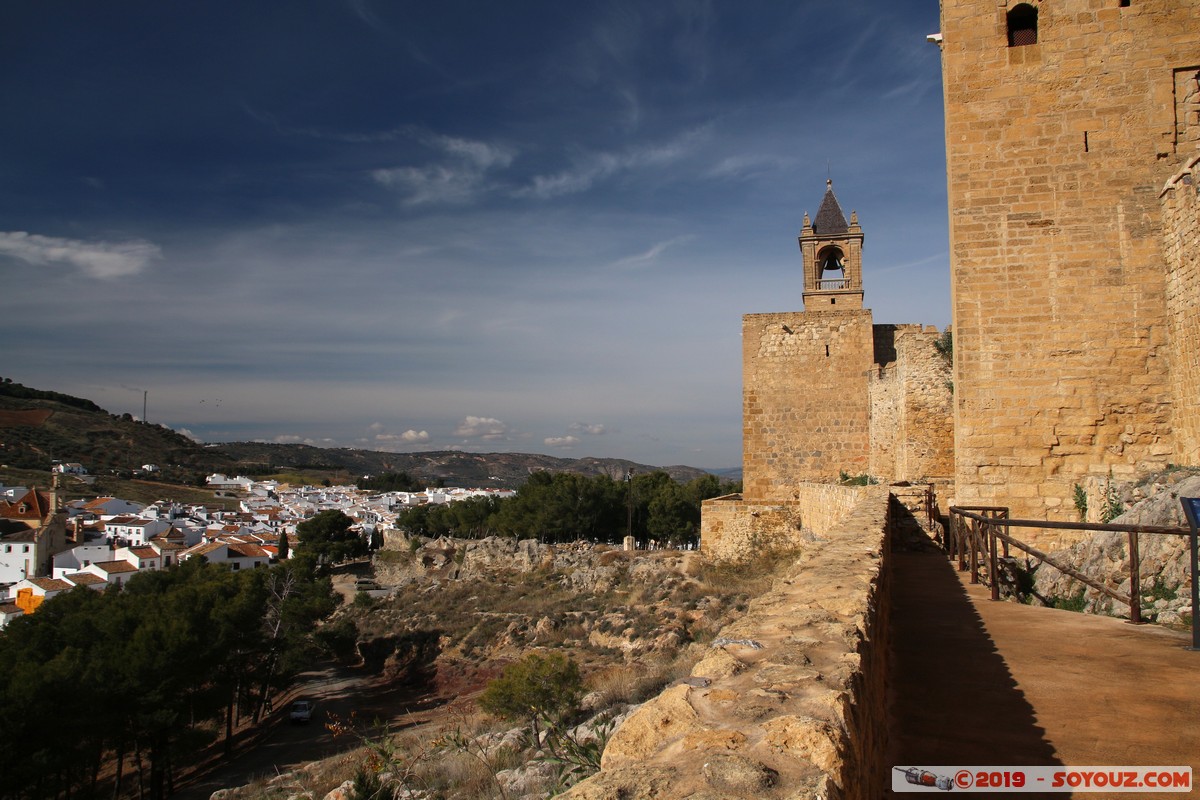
(83, 578)
(98, 502)
(204, 549)
(249, 551)
(113, 567)
(50, 584)
(167, 544)
(34, 503)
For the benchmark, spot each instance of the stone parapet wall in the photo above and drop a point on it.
(885, 392)
(733, 528)
(790, 701)
(1180, 201)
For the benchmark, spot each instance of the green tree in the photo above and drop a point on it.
(390, 482)
(327, 538)
(537, 689)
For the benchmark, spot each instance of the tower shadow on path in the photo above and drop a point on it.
(952, 699)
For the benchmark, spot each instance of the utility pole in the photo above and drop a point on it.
(629, 480)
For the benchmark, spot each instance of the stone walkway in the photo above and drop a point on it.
(981, 683)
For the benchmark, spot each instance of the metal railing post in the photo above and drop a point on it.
(1195, 593)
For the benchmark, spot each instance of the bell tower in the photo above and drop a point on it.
(832, 253)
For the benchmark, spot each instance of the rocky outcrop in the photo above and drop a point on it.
(1104, 557)
(789, 702)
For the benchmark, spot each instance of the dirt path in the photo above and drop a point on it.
(986, 683)
(282, 747)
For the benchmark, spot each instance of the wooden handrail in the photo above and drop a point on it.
(987, 520)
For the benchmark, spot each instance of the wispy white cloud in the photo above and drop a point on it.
(596, 167)
(436, 184)
(362, 9)
(561, 442)
(483, 154)
(461, 177)
(590, 428)
(486, 428)
(408, 437)
(650, 255)
(287, 438)
(100, 260)
(749, 166)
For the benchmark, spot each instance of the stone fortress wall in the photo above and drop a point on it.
(1058, 142)
(1073, 175)
(806, 412)
(912, 413)
(792, 699)
(1181, 250)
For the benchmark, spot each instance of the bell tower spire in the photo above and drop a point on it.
(832, 253)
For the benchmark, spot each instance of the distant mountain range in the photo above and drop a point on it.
(38, 428)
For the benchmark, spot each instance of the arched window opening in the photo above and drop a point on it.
(1022, 25)
(831, 269)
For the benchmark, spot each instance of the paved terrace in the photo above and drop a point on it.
(976, 682)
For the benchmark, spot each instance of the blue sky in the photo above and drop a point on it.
(527, 226)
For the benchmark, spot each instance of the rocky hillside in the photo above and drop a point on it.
(452, 614)
(1165, 578)
(39, 427)
(451, 467)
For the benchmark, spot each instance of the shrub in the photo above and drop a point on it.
(1081, 505)
(538, 687)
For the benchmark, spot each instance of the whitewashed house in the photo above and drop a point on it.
(114, 573)
(86, 579)
(143, 557)
(134, 530)
(235, 555)
(9, 612)
(80, 556)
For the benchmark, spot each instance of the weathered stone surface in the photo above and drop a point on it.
(343, 792)
(718, 664)
(659, 721)
(797, 701)
(628, 782)
(805, 738)
(733, 773)
(1068, 336)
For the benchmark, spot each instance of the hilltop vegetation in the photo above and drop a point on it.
(39, 427)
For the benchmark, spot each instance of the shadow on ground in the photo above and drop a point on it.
(952, 698)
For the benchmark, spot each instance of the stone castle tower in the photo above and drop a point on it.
(827, 392)
(805, 404)
(832, 253)
(1071, 136)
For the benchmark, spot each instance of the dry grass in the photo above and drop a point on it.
(487, 622)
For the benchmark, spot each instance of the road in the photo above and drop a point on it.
(282, 747)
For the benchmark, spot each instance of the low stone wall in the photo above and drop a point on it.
(791, 700)
(732, 528)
